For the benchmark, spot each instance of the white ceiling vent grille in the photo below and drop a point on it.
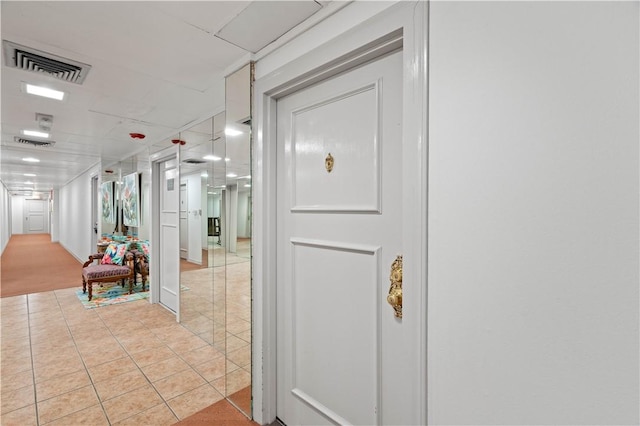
(29, 59)
(33, 142)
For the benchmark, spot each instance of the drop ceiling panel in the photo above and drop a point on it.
(205, 127)
(261, 23)
(54, 169)
(84, 124)
(208, 16)
(118, 80)
(157, 68)
(122, 108)
(198, 104)
(133, 35)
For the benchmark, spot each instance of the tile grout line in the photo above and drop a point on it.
(33, 367)
(139, 369)
(142, 372)
(65, 316)
(190, 366)
(84, 364)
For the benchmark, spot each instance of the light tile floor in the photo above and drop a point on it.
(62, 364)
(217, 308)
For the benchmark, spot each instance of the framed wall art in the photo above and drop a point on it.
(108, 204)
(130, 197)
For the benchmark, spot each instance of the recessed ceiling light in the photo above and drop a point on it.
(212, 157)
(204, 174)
(35, 133)
(29, 174)
(31, 160)
(211, 193)
(44, 91)
(232, 175)
(248, 185)
(232, 132)
(227, 159)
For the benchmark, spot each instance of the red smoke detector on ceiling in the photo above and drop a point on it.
(137, 135)
(178, 141)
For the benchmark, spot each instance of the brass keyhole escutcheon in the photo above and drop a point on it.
(395, 290)
(328, 163)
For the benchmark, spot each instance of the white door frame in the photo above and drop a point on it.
(154, 202)
(403, 24)
(95, 228)
(182, 229)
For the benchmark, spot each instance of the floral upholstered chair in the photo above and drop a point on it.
(117, 263)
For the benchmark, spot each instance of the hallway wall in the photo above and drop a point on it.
(5, 217)
(533, 213)
(17, 214)
(75, 215)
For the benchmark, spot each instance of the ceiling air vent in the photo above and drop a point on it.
(29, 59)
(194, 161)
(33, 142)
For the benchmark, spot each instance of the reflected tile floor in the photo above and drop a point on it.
(62, 364)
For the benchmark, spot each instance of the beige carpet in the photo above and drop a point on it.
(31, 263)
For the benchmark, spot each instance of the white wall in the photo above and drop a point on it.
(55, 216)
(204, 221)
(5, 217)
(243, 212)
(17, 214)
(144, 230)
(533, 213)
(75, 215)
(213, 205)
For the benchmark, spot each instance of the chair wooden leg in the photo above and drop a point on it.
(90, 284)
(84, 285)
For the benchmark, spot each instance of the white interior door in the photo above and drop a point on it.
(339, 345)
(184, 224)
(35, 217)
(169, 235)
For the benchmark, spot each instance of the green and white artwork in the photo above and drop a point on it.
(131, 200)
(108, 211)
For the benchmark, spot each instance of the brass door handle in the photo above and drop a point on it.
(395, 290)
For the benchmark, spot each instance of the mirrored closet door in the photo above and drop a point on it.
(238, 237)
(215, 243)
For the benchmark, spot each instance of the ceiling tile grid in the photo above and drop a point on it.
(157, 68)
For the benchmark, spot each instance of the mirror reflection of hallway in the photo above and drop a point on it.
(215, 272)
(238, 89)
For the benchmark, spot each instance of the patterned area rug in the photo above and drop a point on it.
(110, 294)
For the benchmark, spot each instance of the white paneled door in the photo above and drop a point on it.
(169, 236)
(340, 347)
(184, 222)
(35, 217)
